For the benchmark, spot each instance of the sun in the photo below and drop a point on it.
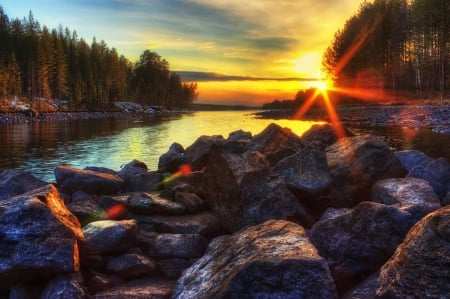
(321, 85)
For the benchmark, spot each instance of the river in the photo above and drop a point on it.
(39, 147)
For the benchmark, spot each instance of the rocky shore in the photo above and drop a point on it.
(267, 216)
(433, 117)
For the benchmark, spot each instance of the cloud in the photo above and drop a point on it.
(192, 76)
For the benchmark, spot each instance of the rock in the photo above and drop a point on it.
(131, 169)
(64, 286)
(70, 179)
(172, 268)
(115, 206)
(405, 192)
(175, 245)
(99, 282)
(38, 237)
(306, 173)
(16, 182)
(140, 289)
(270, 260)
(191, 201)
(131, 265)
(196, 155)
(172, 160)
(240, 135)
(150, 204)
(437, 173)
(276, 143)
(332, 213)
(87, 210)
(364, 290)
(359, 242)
(323, 134)
(109, 236)
(101, 169)
(25, 291)
(420, 267)
(355, 164)
(243, 190)
(144, 182)
(412, 158)
(205, 223)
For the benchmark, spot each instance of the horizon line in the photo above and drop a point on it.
(194, 76)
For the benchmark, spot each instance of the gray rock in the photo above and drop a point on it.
(243, 190)
(359, 242)
(355, 164)
(324, 134)
(191, 201)
(16, 182)
(144, 182)
(196, 155)
(332, 213)
(152, 288)
(420, 267)
(87, 210)
(152, 203)
(99, 282)
(270, 260)
(131, 265)
(129, 170)
(437, 173)
(405, 192)
(173, 268)
(109, 236)
(413, 158)
(101, 169)
(276, 143)
(363, 290)
(240, 135)
(70, 179)
(306, 173)
(175, 245)
(205, 223)
(38, 237)
(65, 286)
(172, 159)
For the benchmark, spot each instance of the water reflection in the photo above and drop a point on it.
(40, 147)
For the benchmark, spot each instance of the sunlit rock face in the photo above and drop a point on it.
(242, 190)
(276, 143)
(358, 242)
(70, 179)
(420, 267)
(355, 164)
(38, 237)
(271, 260)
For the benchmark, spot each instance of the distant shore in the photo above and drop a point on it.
(433, 117)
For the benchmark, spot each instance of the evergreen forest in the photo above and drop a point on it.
(399, 46)
(36, 62)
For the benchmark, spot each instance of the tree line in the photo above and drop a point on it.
(36, 62)
(401, 46)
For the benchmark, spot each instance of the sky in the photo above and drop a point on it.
(239, 52)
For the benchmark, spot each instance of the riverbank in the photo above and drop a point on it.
(432, 117)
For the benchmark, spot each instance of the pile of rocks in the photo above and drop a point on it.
(271, 215)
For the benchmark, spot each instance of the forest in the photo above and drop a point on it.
(36, 62)
(399, 46)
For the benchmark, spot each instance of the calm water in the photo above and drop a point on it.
(40, 147)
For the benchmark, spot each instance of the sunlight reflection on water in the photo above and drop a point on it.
(39, 148)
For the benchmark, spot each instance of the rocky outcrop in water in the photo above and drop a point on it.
(269, 216)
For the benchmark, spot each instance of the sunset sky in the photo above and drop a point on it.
(239, 52)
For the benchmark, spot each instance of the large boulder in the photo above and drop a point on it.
(15, 182)
(131, 265)
(406, 193)
(324, 134)
(359, 242)
(437, 173)
(306, 173)
(174, 245)
(420, 267)
(145, 288)
(38, 237)
(270, 260)
(109, 236)
(172, 159)
(71, 179)
(64, 286)
(276, 143)
(129, 170)
(243, 190)
(196, 155)
(355, 164)
(144, 182)
(413, 158)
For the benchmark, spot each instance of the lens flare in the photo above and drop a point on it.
(184, 170)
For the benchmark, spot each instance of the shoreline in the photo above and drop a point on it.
(436, 118)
